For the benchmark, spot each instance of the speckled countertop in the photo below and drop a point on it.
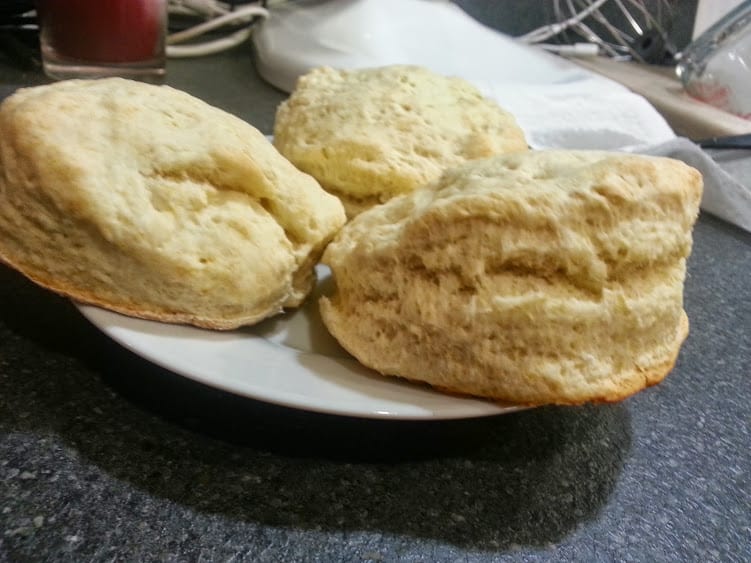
(105, 457)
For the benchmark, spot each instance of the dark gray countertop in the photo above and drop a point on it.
(105, 457)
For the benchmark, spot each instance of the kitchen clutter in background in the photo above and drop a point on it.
(83, 35)
(715, 67)
(622, 29)
(96, 38)
(559, 104)
(234, 22)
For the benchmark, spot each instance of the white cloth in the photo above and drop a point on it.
(727, 178)
(587, 113)
(595, 113)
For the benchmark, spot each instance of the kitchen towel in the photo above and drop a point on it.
(597, 113)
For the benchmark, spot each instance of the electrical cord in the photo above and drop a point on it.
(209, 47)
(575, 50)
(216, 15)
(219, 14)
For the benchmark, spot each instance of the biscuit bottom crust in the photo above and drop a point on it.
(631, 383)
(467, 369)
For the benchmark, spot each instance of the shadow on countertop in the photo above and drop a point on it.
(529, 478)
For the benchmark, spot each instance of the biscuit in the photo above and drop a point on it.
(534, 278)
(369, 135)
(147, 201)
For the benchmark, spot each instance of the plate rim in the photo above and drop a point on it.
(99, 317)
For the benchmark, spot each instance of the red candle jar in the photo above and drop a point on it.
(92, 38)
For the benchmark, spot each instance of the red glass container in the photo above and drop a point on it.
(94, 38)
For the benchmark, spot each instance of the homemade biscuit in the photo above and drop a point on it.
(147, 201)
(369, 135)
(536, 277)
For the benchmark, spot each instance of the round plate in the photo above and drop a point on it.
(289, 360)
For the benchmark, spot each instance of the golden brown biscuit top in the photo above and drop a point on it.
(383, 131)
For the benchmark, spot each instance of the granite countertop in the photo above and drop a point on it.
(104, 456)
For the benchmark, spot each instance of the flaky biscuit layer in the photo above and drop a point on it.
(537, 277)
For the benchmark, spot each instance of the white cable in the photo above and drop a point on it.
(245, 14)
(546, 32)
(575, 50)
(210, 8)
(209, 47)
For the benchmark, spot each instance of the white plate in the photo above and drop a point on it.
(290, 360)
